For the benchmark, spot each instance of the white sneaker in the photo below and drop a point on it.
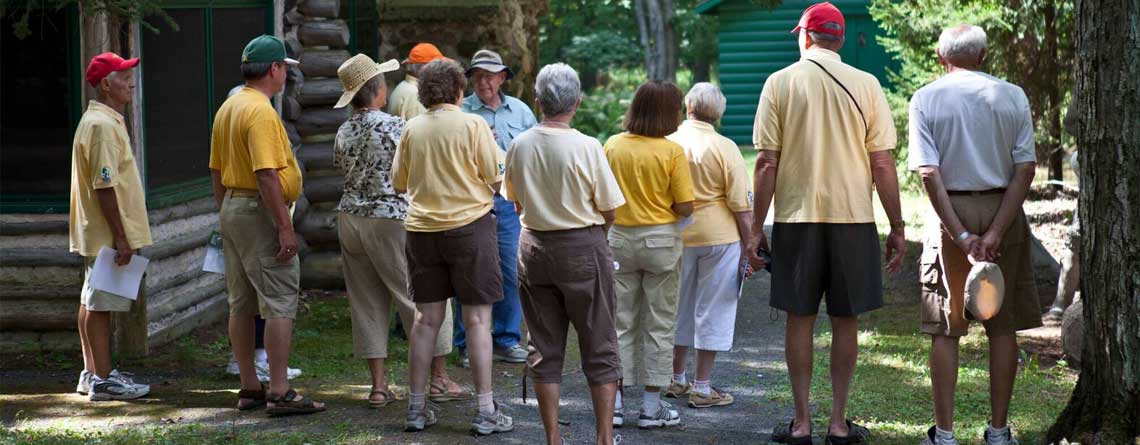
(84, 385)
(116, 387)
(233, 369)
(1000, 439)
(665, 416)
(263, 372)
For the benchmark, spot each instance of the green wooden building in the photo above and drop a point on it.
(756, 41)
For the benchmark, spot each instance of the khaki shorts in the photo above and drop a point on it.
(567, 277)
(944, 267)
(97, 300)
(256, 282)
(461, 262)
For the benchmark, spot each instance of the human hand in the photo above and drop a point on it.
(988, 248)
(288, 242)
(967, 245)
(896, 249)
(123, 251)
(759, 242)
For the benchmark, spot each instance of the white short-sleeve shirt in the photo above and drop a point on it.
(974, 127)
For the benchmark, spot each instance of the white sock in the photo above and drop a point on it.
(997, 432)
(486, 404)
(703, 387)
(259, 355)
(617, 401)
(680, 378)
(942, 436)
(650, 402)
(417, 401)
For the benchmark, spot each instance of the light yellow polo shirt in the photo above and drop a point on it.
(653, 174)
(447, 160)
(405, 99)
(721, 184)
(560, 178)
(248, 136)
(824, 175)
(101, 158)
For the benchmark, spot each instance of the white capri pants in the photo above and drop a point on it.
(710, 281)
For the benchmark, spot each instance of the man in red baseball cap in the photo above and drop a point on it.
(108, 211)
(824, 241)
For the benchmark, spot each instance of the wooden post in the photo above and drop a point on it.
(130, 339)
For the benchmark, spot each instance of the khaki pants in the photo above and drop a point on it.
(647, 283)
(256, 282)
(376, 275)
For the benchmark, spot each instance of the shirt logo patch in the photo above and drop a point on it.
(105, 174)
(502, 168)
(750, 196)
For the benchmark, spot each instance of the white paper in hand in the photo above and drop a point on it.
(215, 260)
(119, 280)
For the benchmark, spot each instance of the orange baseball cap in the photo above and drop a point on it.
(424, 53)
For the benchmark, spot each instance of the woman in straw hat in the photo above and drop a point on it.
(370, 223)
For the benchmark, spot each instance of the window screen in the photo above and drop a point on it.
(233, 28)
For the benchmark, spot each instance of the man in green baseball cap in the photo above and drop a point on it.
(266, 48)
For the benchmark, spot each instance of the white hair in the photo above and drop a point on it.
(705, 102)
(962, 41)
(557, 88)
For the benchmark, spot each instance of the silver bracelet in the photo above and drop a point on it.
(962, 236)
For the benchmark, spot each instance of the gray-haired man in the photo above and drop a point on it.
(971, 139)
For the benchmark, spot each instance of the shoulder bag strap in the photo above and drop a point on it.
(852, 96)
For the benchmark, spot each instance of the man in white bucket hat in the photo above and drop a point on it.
(971, 139)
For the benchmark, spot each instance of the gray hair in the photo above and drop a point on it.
(255, 70)
(962, 41)
(367, 92)
(824, 38)
(705, 102)
(413, 68)
(557, 88)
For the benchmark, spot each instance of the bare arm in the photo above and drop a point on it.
(764, 183)
(219, 189)
(940, 200)
(887, 184)
(744, 228)
(683, 209)
(988, 249)
(609, 216)
(272, 196)
(109, 204)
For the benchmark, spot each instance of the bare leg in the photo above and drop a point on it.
(99, 340)
(278, 340)
(379, 379)
(84, 342)
(603, 397)
(424, 331)
(477, 320)
(547, 394)
(242, 336)
(943, 378)
(679, 355)
(844, 352)
(439, 374)
(1003, 370)
(798, 354)
(705, 361)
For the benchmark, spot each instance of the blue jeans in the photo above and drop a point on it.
(506, 315)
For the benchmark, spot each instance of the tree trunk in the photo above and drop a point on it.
(1106, 98)
(659, 42)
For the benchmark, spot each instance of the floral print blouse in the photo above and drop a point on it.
(364, 148)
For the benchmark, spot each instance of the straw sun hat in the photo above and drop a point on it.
(358, 70)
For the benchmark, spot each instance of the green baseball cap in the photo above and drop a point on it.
(266, 48)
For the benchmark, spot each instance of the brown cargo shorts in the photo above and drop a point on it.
(566, 277)
(461, 263)
(943, 269)
(255, 280)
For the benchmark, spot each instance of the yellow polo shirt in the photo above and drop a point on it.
(721, 184)
(248, 136)
(405, 99)
(653, 174)
(447, 160)
(101, 158)
(824, 175)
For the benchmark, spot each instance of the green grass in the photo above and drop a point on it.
(891, 389)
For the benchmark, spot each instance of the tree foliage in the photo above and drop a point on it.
(1030, 44)
(128, 11)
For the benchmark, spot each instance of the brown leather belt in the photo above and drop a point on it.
(975, 192)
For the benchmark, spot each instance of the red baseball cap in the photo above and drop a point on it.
(822, 17)
(104, 64)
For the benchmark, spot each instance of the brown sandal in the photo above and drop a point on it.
(256, 399)
(389, 397)
(439, 393)
(292, 403)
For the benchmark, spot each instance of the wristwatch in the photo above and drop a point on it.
(962, 236)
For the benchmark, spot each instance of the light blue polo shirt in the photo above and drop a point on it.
(511, 119)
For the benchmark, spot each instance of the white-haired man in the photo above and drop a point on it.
(971, 139)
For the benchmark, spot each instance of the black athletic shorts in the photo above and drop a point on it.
(839, 261)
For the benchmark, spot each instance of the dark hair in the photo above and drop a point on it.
(368, 92)
(655, 110)
(255, 70)
(441, 82)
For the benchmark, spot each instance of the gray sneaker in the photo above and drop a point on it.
(513, 354)
(114, 387)
(1004, 439)
(418, 419)
(464, 360)
(84, 385)
(665, 416)
(491, 424)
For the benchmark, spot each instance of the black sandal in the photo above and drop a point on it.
(256, 395)
(855, 434)
(783, 434)
(289, 404)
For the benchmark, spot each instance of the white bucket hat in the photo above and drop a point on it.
(358, 70)
(985, 290)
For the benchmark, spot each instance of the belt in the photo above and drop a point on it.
(975, 192)
(247, 193)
